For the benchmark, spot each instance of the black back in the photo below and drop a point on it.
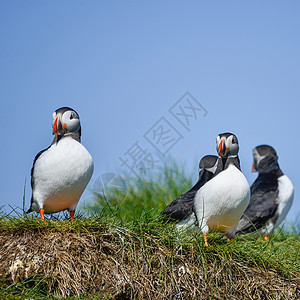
(264, 193)
(181, 207)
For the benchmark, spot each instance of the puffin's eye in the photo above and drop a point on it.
(233, 141)
(71, 117)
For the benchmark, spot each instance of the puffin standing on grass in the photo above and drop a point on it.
(61, 172)
(182, 207)
(220, 203)
(272, 194)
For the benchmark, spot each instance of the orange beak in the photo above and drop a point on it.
(222, 148)
(55, 127)
(253, 168)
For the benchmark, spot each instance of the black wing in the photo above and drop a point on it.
(181, 207)
(31, 174)
(263, 204)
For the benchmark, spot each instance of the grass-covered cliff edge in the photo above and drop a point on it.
(124, 251)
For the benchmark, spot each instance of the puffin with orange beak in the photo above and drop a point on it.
(272, 194)
(61, 172)
(220, 203)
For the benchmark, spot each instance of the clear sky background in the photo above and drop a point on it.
(123, 64)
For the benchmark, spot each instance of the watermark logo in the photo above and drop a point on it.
(138, 160)
(107, 181)
(187, 109)
(163, 136)
(145, 154)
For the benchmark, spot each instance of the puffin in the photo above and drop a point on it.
(220, 203)
(272, 194)
(182, 207)
(61, 172)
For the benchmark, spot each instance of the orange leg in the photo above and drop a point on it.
(231, 240)
(205, 239)
(266, 238)
(42, 214)
(72, 214)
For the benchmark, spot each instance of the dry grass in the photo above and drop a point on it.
(125, 252)
(142, 261)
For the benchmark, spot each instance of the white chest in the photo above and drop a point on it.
(222, 200)
(285, 198)
(61, 174)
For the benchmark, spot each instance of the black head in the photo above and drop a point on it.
(265, 159)
(208, 162)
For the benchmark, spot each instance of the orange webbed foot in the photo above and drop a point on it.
(205, 239)
(266, 238)
(72, 214)
(42, 214)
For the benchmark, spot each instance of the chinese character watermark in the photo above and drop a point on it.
(187, 109)
(163, 136)
(138, 160)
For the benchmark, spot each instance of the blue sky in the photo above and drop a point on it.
(123, 64)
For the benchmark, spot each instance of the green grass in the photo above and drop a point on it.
(122, 233)
(135, 197)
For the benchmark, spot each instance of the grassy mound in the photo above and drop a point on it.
(142, 260)
(124, 251)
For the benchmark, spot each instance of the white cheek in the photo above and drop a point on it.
(218, 142)
(66, 117)
(73, 125)
(257, 158)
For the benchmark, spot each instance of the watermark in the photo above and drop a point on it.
(138, 160)
(107, 181)
(163, 136)
(145, 154)
(187, 109)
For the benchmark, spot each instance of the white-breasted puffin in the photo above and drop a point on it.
(271, 197)
(181, 207)
(61, 172)
(221, 202)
